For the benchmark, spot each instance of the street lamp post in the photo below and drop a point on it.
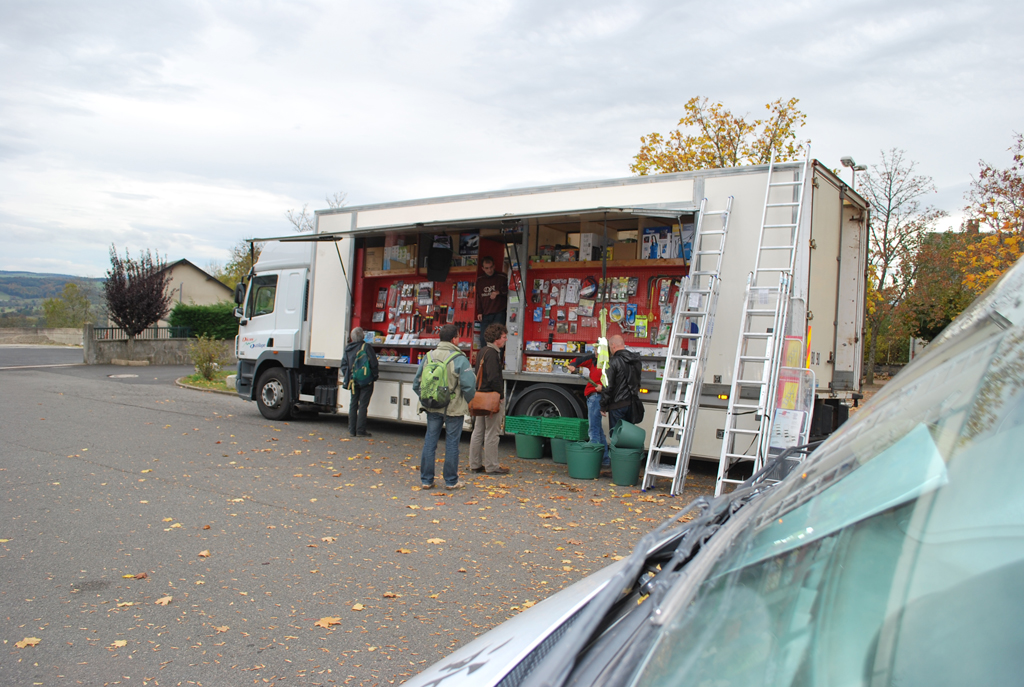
(847, 161)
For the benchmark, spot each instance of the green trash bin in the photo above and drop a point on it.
(584, 459)
(529, 446)
(558, 447)
(626, 464)
(627, 435)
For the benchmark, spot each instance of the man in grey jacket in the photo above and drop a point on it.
(361, 392)
(462, 385)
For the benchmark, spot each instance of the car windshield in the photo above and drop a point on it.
(895, 556)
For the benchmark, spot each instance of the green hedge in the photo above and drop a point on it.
(216, 321)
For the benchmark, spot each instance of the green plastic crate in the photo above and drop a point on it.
(569, 428)
(523, 424)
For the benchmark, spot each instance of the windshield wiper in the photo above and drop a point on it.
(558, 665)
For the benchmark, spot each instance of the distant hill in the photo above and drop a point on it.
(23, 293)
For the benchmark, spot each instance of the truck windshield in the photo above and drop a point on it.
(896, 559)
(262, 295)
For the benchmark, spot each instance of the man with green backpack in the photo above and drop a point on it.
(359, 372)
(445, 384)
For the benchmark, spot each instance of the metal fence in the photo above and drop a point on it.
(153, 333)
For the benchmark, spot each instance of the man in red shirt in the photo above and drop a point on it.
(592, 392)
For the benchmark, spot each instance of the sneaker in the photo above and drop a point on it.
(480, 469)
(364, 434)
(453, 487)
(427, 486)
(502, 470)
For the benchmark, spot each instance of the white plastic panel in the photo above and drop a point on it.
(330, 299)
(410, 402)
(632, 194)
(384, 403)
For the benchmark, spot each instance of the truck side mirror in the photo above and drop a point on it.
(238, 313)
(239, 294)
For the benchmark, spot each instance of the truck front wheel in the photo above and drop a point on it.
(272, 394)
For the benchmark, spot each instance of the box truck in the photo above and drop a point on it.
(570, 251)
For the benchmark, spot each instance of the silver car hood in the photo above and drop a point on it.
(488, 658)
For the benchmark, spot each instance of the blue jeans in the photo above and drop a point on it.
(453, 434)
(594, 416)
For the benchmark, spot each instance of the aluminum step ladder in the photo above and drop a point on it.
(679, 398)
(763, 324)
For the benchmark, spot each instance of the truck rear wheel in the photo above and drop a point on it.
(273, 394)
(544, 403)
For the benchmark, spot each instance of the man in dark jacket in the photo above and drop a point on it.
(361, 394)
(491, 297)
(623, 389)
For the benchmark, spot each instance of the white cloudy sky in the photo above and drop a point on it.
(183, 126)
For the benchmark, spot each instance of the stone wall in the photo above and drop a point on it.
(154, 351)
(41, 335)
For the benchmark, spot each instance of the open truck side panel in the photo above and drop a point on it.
(827, 300)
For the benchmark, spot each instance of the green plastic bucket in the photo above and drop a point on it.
(529, 446)
(584, 459)
(558, 447)
(626, 464)
(627, 435)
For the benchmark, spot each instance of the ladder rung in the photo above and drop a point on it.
(740, 456)
(786, 183)
(780, 226)
(662, 472)
(668, 449)
(784, 270)
(777, 247)
(782, 205)
(745, 405)
(744, 431)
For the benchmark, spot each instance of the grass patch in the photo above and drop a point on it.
(217, 383)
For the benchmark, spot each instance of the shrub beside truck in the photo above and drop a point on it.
(400, 270)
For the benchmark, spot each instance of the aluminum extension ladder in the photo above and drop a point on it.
(764, 324)
(696, 301)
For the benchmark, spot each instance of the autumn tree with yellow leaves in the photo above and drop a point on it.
(994, 234)
(710, 136)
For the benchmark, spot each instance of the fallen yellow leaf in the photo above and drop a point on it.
(358, 607)
(204, 554)
(126, 603)
(222, 628)
(145, 471)
(435, 540)
(413, 507)
(168, 519)
(327, 622)
(119, 643)
(164, 600)
(28, 641)
(328, 539)
(404, 551)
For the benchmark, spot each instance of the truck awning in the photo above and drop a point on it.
(660, 212)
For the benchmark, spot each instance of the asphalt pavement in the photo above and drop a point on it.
(151, 534)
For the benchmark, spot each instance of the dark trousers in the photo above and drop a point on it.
(357, 409)
(485, 320)
(618, 415)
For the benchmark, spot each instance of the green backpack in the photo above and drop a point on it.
(435, 389)
(361, 373)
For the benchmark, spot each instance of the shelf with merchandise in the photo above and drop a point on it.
(611, 264)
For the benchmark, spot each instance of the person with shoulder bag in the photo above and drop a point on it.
(445, 385)
(359, 372)
(483, 446)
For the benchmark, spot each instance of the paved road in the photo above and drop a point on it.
(26, 355)
(254, 531)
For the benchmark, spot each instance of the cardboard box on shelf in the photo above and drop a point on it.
(400, 258)
(538, 364)
(373, 259)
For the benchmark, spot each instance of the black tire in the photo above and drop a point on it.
(544, 403)
(273, 394)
